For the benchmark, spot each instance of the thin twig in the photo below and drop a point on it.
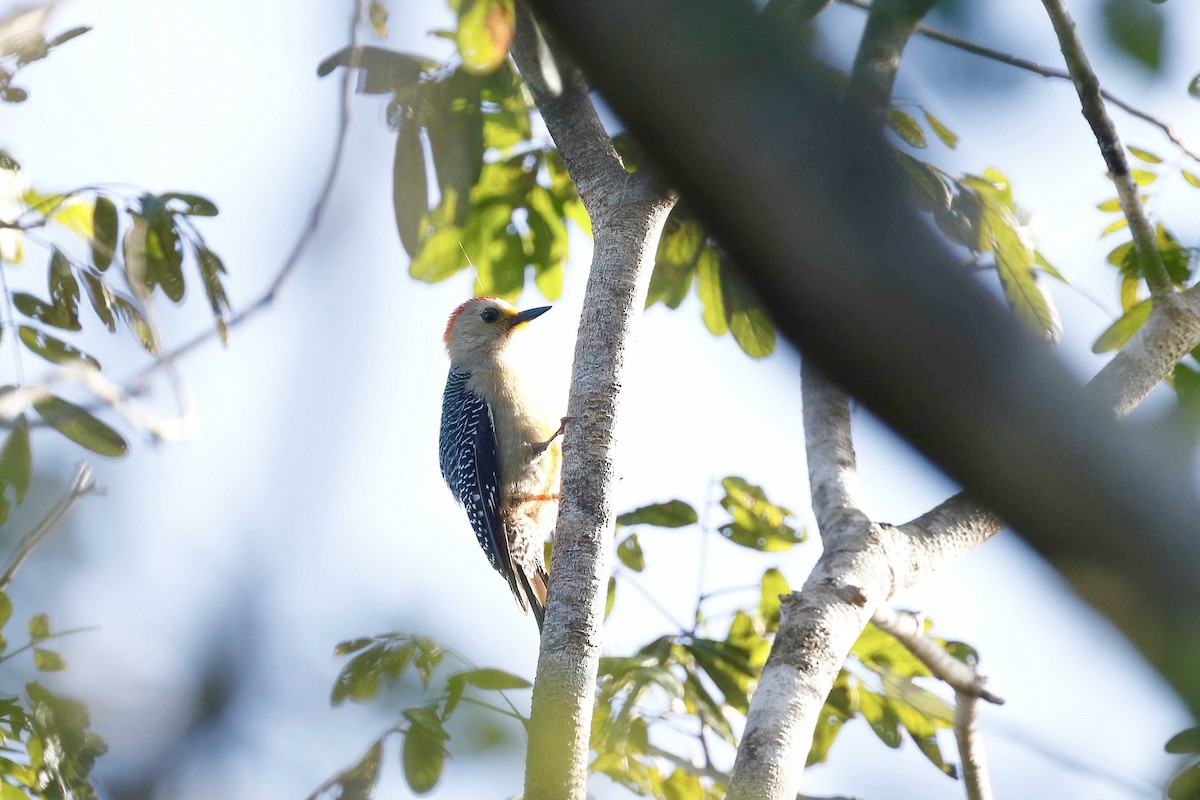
(314, 217)
(998, 56)
(970, 747)
(1088, 87)
(34, 643)
(83, 484)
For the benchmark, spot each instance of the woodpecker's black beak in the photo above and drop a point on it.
(528, 314)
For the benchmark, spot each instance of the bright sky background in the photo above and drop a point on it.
(309, 509)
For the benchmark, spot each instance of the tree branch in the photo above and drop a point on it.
(628, 213)
(1144, 240)
(1001, 57)
(83, 484)
(832, 473)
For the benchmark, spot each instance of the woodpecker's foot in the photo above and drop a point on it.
(540, 447)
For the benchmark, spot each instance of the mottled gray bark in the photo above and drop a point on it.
(627, 214)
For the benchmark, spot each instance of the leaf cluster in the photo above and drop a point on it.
(20, 49)
(46, 748)
(383, 661)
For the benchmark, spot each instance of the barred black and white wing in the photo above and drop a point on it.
(471, 468)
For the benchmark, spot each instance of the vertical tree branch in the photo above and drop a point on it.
(832, 472)
(970, 747)
(628, 213)
(1086, 84)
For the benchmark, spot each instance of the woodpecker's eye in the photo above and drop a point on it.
(490, 315)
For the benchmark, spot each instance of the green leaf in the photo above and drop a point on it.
(1110, 205)
(1118, 333)
(1119, 224)
(64, 289)
(748, 321)
(671, 514)
(16, 467)
(1194, 86)
(880, 715)
(6, 609)
(39, 310)
(383, 71)
(211, 269)
(712, 299)
(493, 679)
(48, 660)
(1191, 178)
(424, 752)
(906, 128)
(39, 627)
(1030, 300)
(485, 31)
(948, 137)
(78, 425)
(610, 597)
(1186, 784)
(101, 298)
(455, 129)
(1144, 155)
(67, 36)
(351, 646)
(1143, 177)
(1136, 27)
(54, 350)
(756, 522)
(193, 204)
(630, 553)
(104, 232)
(774, 585)
(136, 322)
(356, 782)
(1186, 741)
(410, 188)
(926, 184)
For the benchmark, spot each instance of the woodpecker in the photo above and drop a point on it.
(498, 449)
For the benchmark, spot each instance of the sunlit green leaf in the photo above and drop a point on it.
(610, 596)
(1194, 86)
(104, 232)
(1144, 155)
(211, 269)
(455, 128)
(906, 128)
(493, 679)
(712, 299)
(485, 31)
(1143, 177)
(39, 627)
(880, 715)
(926, 184)
(1118, 333)
(54, 350)
(48, 660)
(1118, 224)
(1110, 205)
(424, 752)
(629, 551)
(6, 608)
(377, 15)
(136, 322)
(948, 137)
(756, 522)
(671, 514)
(78, 425)
(774, 585)
(1186, 741)
(100, 296)
(1191, 177)
(16, 467)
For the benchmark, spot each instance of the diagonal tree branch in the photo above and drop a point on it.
(1088, 86)
(628, 213)
(1001, 57)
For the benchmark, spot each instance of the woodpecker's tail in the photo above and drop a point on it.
(534, 594)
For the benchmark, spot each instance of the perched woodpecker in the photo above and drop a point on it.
(499, 453)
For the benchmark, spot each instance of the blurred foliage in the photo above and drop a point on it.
(84, 233)
(1136, 28)
(697, 681)
(1185, 783)
(46, 749)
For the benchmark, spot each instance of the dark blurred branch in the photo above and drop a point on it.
(1150, 261)
(83, 484)
(1046, 72)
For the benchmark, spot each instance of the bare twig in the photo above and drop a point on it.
(138, 381)
(1088, 87)
(83, 484)
(1001, 57)
(909, 630)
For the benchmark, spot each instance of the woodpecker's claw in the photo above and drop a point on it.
(540, 447)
